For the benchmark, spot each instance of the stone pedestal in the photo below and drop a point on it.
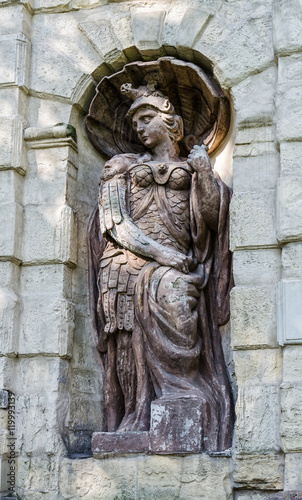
(176, 427)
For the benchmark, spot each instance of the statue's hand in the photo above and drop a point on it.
(198, 158)
(171, 258)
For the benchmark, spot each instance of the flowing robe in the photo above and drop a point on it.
(146, 354)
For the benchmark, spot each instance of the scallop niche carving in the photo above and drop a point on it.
(160, 266)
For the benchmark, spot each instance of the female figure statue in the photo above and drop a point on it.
(164, 276)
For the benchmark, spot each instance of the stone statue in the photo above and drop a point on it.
(161, 275)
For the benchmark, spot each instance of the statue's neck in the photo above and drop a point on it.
(165, 151)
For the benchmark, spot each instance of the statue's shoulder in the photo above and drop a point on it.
(118, 164)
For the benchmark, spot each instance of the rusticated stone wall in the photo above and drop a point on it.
(52, 54)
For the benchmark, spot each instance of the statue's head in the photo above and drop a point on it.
(149, 103)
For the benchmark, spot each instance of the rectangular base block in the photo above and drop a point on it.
(119, 442)
(176, 426)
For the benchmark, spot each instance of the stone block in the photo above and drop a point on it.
(42, 281)
(51, 176)
(12, 102)
(91, 479)
(257, 267)
(254, 135)
(261, 472)
(253, 173)
(289, 124)
(290, 158)
(7, 373)
(114, 443)
(11, 221)
(4, 442)
(292, 364)
(101, 35)
(189, 30)
(38, 477)
(286, 495)
(40, 419)
(3, 418)
(60, 49)
(49, 235)
(15, 19)
(291, 417)
(287, 36)
(258, 366)
(289, 68)
(253, 317)
(253, 220)
(289, 209)
(147, 27)
(259, 108)
(38, 374)
(10, 187)
(10, 310)
(47, 326)
(14, 56)
(229, 47)
(176, 426)
(200, 473)
(159, 477)
(257, 424)
(293, 471)
(292, 261)
(3, 398)
(11, 144)
(289, 323)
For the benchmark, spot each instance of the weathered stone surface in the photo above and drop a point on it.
(190, 28)
(11, 145)
(53, 225)
(289, 125)
(259, 366)
(257, 424)
(289, 209)
(251, 495)
(147, 26)
(257, 267)
(3, 418)
(292, 473)
(253, 317)
(263, 472)
(290, 156)
(91, 479)
(37, 477)
(291, 412)
(260, 107)
(40, 421)
(252, 173)
(287, 36)
(292, 260)
(254, 135)
(176, 426)
(4, 470)
(229, 45)
(253, 220)
(60, 48)
(102, 36)
(114, 443)
(292, 364)
(152, 478)
(289, 324)
(38, 374)
(289, 68)
(14, 54)
(47, 326)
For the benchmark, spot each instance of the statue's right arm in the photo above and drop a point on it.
(116, 221)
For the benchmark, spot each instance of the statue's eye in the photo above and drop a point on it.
(147, 119)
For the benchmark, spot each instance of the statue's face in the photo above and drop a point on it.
(150, 127)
